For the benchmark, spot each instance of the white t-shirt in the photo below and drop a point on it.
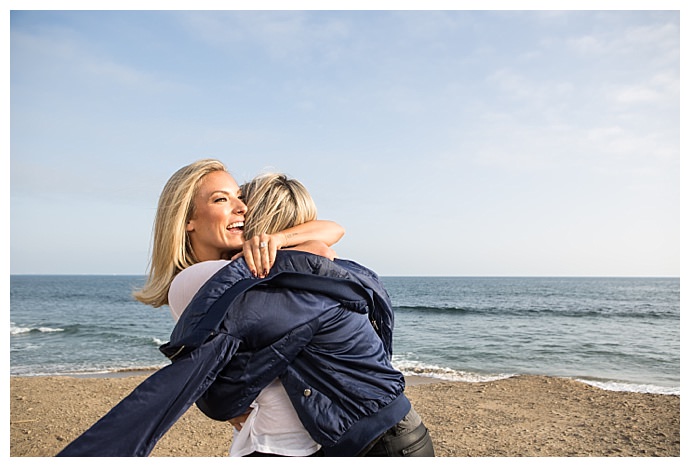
(273, 426)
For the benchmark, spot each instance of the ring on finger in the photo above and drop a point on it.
(263, 245)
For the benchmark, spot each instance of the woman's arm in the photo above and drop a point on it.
(260, 251)
(328, 232)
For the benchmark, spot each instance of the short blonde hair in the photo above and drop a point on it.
(171, 249)
(275, 203)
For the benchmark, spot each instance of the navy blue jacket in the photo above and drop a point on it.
(323, 327)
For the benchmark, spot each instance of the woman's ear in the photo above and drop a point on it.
(190, 226)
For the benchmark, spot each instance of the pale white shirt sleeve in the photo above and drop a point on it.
(188, 282)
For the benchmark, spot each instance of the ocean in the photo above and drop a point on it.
(620, 334)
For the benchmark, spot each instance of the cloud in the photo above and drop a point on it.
(661, 89)
(637, 94)
(658, 42)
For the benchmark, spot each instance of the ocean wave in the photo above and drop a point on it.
(550, 311)
(457, 376)
(15, 330)
(415, 368)
(464, 377)
(619, 386)
(437, 309)
(407, 368)
(57, 370)
(158, 342)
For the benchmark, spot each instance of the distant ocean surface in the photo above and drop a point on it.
(615, 333)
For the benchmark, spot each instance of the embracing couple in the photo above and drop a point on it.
(274, 333)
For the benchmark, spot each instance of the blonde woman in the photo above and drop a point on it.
(275, 203)
(201, 217)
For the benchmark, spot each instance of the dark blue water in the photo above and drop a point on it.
(67, 324)
(616, 333)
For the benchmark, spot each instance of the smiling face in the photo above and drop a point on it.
(215, 228)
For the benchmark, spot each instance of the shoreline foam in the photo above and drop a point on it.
(412, 379)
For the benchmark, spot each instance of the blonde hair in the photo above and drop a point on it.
(171, 250)
(275, 203)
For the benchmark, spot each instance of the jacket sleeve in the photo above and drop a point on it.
(235, 388)
(381, 314)
(134, 426)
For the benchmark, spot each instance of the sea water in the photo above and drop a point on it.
(615, 333)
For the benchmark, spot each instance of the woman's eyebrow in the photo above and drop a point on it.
(220, 192)
(226, 193)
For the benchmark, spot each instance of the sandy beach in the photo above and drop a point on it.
(520, 416)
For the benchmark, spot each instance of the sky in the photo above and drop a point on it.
(446, 142)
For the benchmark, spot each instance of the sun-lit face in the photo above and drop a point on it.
(215, 229)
